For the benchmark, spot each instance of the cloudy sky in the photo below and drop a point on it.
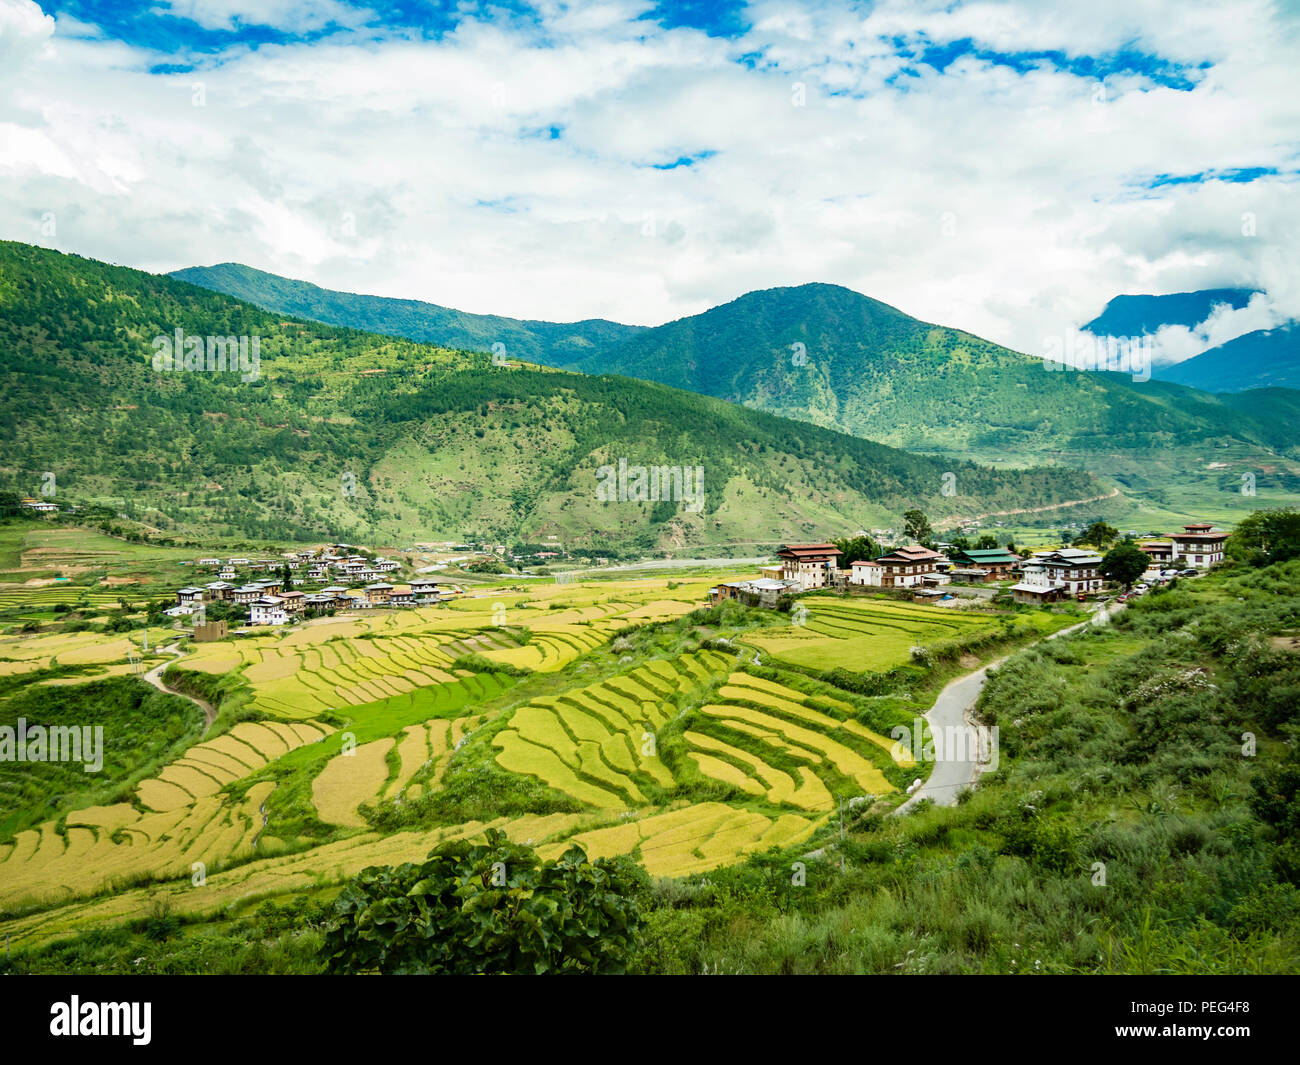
(1003, 167)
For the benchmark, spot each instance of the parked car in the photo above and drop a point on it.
(1189, 573)
(1170, 572)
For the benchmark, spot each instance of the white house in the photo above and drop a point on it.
(1076, 570)
(1037, 585)
(867, 572)
(267, 611)
(1197, 545)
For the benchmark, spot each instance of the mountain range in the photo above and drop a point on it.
(547, 343)
(344, 432)
(1260, 359)
(829, 356)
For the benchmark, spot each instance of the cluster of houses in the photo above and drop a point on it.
(269, 602)
(1042, 577)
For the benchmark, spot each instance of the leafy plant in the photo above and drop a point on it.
(487, 908)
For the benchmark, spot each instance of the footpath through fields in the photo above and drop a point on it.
(154, 677)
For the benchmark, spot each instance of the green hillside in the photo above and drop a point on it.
(868, 369)
(438, 443)
(548, 343)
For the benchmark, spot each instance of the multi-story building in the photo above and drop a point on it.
(810, 565)
(907, 567)
(1076, 570)
(1198, 545)
(1037, 585)
(997, 563)
(267, 611)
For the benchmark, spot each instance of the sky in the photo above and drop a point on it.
(1001, 167)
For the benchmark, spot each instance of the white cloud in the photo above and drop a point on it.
(1174, 343)
(295, 16)
(25, 31)
(1010, 204)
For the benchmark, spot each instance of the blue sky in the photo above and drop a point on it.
(1001, 165)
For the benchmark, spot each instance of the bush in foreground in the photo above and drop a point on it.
(491, 908)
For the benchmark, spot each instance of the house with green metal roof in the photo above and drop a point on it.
(998, 562)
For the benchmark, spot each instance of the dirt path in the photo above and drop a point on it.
(1039, 510)
(154, 677)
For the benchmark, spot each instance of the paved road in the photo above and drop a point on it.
(953, 709)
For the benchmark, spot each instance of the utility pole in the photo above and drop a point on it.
(841, 833)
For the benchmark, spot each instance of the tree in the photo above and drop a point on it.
(1011, 546)
(1266, 536)
(987, 542)
(1099, 534)
(489, 908)
(1125, 563)
(917, 525)
(286, 577)
(857, 549)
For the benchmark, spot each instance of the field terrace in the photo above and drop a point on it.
(688, 758)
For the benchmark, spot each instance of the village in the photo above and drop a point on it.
(935, 574)
(337, 577)
(299, 585)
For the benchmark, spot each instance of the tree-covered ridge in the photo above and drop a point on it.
(828, 355)
(549, 343)
(437, 443)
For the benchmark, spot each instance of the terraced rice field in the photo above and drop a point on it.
(591, 743)
(179, 818)
(45, 596)
(25, 654)
(318, 669)
(684, 761)
(208, 767)
(863, 634)
(761, 738)
(101, 846)
(692, 839)
(365, 775)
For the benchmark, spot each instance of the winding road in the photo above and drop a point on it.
(954, 708)
(154, 677)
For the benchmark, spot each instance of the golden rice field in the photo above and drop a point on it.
(863, 634)
(363, 774)
(25, 654)
(350, 661)
(759, 737)
(210, 766)
(685, 761)
(100, 846)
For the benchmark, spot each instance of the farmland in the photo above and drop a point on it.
(868, 634)
(616, 714)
